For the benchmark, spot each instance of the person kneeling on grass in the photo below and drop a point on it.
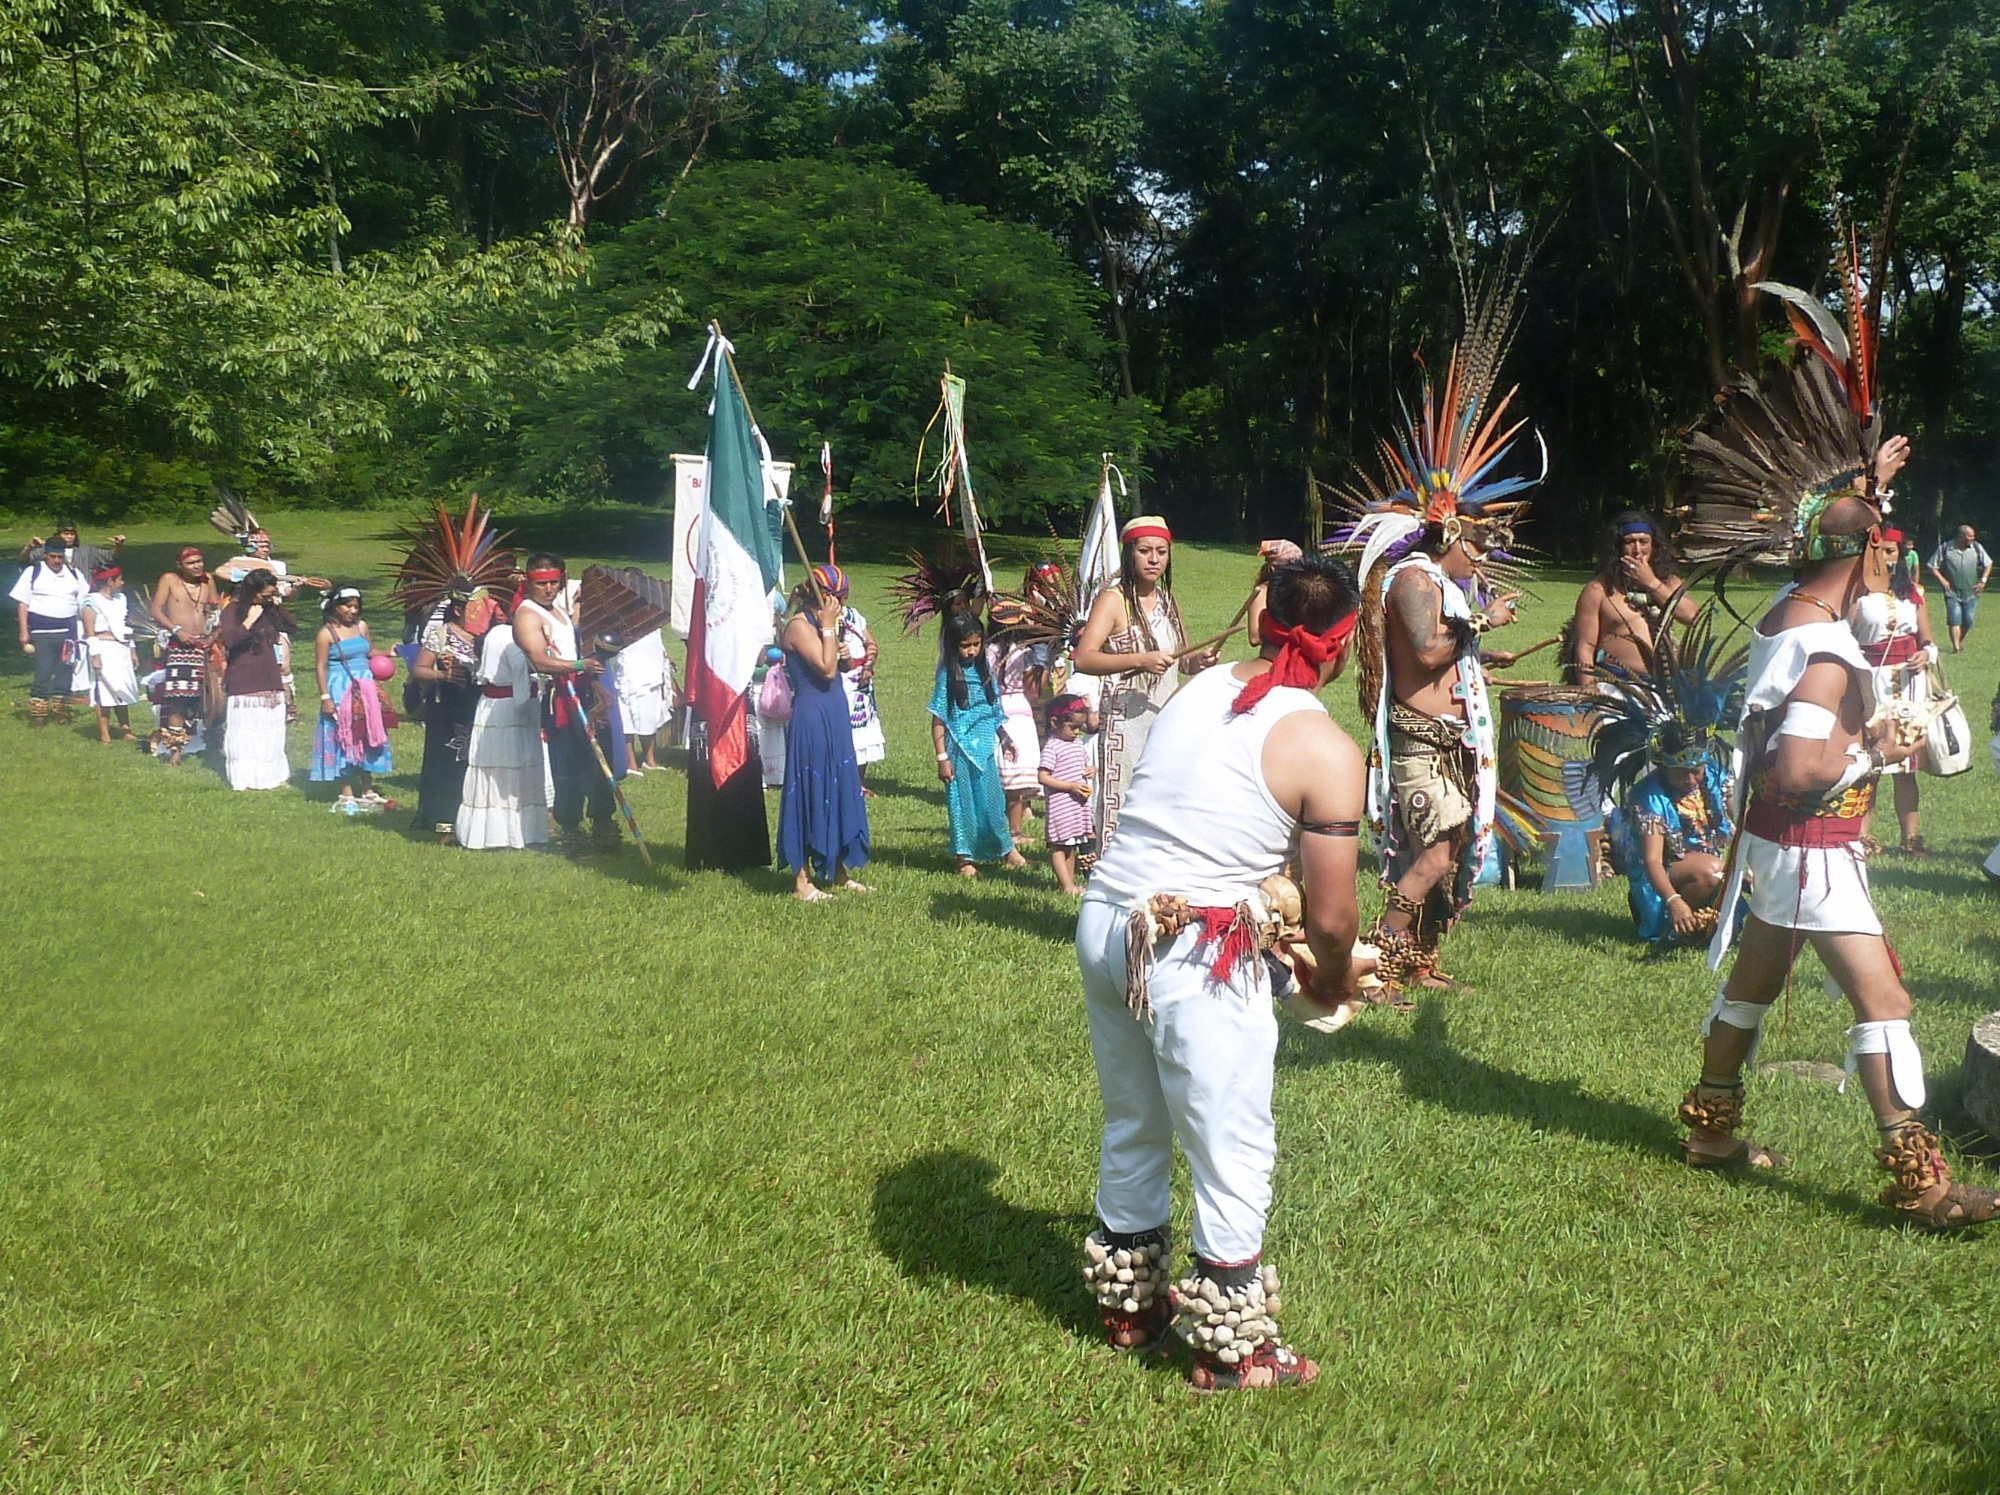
(965, 726)
(1244, 772)
(1065, 776)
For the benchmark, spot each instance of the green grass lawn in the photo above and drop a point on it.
(335, 1160)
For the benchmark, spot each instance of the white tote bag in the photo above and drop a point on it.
(1948, 740)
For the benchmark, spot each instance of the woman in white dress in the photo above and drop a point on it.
(253, 738)
(1894, 631)
(858, 652)
(107, 640)
(505, 801)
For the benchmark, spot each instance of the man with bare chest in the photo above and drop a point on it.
(186, 605)
(1621, 610)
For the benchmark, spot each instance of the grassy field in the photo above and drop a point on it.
(335, 1160)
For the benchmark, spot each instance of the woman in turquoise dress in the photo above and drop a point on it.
(965, 727)
(351, 743)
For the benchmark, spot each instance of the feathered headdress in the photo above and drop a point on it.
(1668, 717)
(944, 582)
(450, 558)
(1790, 445)
(1049, 609)
(1441, 466)
(232, 518)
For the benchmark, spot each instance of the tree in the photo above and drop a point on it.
(845, 288)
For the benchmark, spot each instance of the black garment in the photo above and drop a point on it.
(580, 784)
(448, 712)
(54, 664)
(727, 828)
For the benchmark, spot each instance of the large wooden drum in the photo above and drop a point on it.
(1545, 734)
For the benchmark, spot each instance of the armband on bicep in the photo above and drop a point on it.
(1804, 719)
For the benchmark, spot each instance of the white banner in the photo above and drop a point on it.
(690, 498)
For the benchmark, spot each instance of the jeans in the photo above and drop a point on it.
(579, 783)
(1960, 611)
(52, 670)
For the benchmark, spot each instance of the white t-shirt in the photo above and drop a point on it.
(55, 595)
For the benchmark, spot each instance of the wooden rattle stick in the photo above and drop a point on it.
(1209, 643)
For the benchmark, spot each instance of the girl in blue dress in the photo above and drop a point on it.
(351, 742)
(965, 727)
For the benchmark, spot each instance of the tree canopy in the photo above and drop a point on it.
(342, 252)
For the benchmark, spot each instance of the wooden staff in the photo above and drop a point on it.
(1237, 623)
(617, 794)
(1531, 649)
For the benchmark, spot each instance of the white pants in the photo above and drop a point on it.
(1200, 1069)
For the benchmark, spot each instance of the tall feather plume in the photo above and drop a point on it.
(230, 516)
(1049, 609)
(450, 557)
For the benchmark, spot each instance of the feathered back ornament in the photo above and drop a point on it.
(1049, 609)
(944, 582)
(231, 517)
(1790, 445)
(450, 558)
(1669, 716)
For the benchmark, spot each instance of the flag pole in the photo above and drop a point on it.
(812, 581)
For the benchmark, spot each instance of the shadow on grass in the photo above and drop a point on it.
(1946, 876)
(887, 788)
(939, 1215)
(1433, 1071)
(1011, 913)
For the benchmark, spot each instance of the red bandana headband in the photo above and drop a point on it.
(1137, 531)
(189, 550)
(106, 573)
(1300, 655)
(545, 573)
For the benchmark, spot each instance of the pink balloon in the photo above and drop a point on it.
(382, 666)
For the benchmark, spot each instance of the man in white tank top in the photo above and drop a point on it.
(546, 634)
(1243, 772)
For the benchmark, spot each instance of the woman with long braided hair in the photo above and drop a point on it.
(1133, 639)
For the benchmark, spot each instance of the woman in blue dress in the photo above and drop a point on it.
(965, 726)
(351, 743)
(822, 818)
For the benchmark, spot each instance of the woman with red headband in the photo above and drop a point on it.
(107, 636)
(1133, 638)
(1893, 628)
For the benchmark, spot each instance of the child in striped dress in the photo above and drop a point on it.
(1065, 777)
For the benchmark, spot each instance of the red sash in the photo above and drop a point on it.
(1899, 650)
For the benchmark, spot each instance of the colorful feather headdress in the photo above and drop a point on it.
(947, 581)
(451, 558)
(1791, 444)
(1668, 717)
(1441, 468)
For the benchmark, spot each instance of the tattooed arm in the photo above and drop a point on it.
(1416, 610)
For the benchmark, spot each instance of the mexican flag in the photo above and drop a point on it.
(737, 566)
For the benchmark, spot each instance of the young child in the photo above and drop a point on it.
(965, 728)
(1065, 777)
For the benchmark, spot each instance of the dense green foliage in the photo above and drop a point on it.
(337, 1161)
(353, 250)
